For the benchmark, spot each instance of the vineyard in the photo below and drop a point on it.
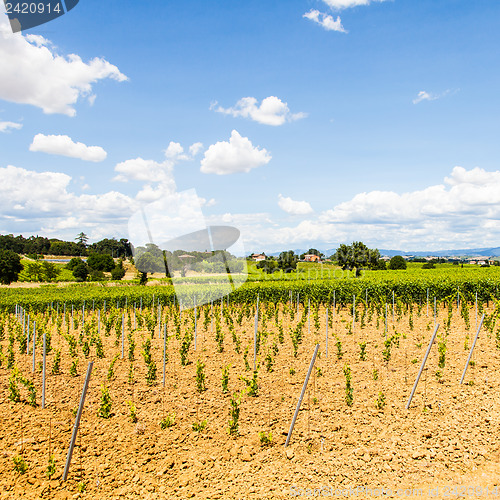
(197, 403)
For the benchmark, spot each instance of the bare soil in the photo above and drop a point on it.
(447, 439)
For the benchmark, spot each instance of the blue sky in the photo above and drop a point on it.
(301, 122)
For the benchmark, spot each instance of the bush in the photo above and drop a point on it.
(118, 272)
(101, 262)
(81, 271)
(397, 262)
(10, 266)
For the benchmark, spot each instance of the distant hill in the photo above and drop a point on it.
(468, 252)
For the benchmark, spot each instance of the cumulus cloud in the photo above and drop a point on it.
(43, 202)
(237, 155)
(271, 111)
(64, 146)
(463, 212)
(325, 20)
(345, 4)
(158, 176)
(293, 207)
(33, 73)
(5, 126)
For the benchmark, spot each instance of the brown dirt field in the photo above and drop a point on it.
(447, 439)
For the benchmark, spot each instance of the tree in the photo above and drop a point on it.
(428, 265)
(10, 266)
(287, 261)
(101, 262)
(82, 239)
(268, 266)
(355, 256)
(71, 265)
(81, 271)
(397, 262)
(151, 260)
(118, 272)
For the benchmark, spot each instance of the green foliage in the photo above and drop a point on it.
(225, 379)
(252, 385)
(266, 439)
(397, 262)
(132, 411)
(199, 426)
(72, 370)
(375, 374)
(200, 377)
(167, 421)
(111, 369)
(348, 385)
(105, 408)
(14, 392)
(10, 266)
(51, 467)
(20, 465)
(338, 344)
(380, 403)
(234, 414)
(362, 351)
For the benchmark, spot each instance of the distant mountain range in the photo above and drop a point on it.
(468, 252)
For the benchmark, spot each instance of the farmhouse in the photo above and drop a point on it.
(312, 258)
(257, 257)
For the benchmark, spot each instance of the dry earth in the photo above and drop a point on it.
(447, 439)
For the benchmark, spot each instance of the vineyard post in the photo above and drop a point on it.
(164, 350)
(99, 322)
(123, 334)
(195, 324)
(159, 321)
(134, 314)
(255, 335)
(309, 317)
(385, 321)
(24, 322)
(77, 421)
(427, 302)
(313, 359)
(83, 314)
(422, 366)
(326, 336)
(353, 312)
(458, 301)
(476, 308)
(298, 302)
(72, 322)
(334, 304)
(44, 368)
(28, 337)
(393, 306)
(93, 306)
(212, 317)
(472, 349)
(34, 344)
(366, 296)
(435, 311)
(104, 306)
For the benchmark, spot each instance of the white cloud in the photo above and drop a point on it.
(33, 73)
(157, 176)
(294, 207)
(42, 202)
(272, 110)
(64, 146)
(345, 4)
(5, 126)
(325, 20)
(426, 96)
(463, 212)
(237, 155)
(148, 171)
